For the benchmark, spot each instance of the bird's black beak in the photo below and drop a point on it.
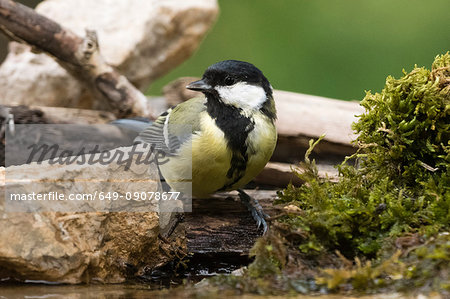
(199, 85)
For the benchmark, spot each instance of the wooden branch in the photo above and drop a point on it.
(79, 56)
(281, 174)
(311, 116)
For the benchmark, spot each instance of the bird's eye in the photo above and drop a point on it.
(229, 80)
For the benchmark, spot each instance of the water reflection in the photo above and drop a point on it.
(78, 291)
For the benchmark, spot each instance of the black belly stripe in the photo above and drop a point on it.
(237, 170)
(236, 128)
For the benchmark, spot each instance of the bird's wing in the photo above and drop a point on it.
(175, 126)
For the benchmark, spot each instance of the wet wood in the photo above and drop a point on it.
(222, 224)
(80, 56)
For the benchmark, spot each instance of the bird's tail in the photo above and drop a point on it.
(137, 124)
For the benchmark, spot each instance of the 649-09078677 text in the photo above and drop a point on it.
(102, 196)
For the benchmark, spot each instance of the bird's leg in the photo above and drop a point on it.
(255, 208)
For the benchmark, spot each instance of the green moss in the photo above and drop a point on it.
(385, 224)
(268, 260)
(424, 267)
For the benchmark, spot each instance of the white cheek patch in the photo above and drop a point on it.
(242, 95)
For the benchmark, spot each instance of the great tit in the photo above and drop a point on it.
(231, 133)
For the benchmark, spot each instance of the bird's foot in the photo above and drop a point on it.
(255, 208)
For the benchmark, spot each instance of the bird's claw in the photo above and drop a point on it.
(255, 208)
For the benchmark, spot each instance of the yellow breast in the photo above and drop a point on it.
(211, 157)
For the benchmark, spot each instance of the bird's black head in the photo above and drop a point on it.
(228, 73)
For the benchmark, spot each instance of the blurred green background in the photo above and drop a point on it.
(331, 48)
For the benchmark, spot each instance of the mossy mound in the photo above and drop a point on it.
(385, 225)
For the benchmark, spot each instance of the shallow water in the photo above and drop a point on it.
(142, 291)
(156, 283)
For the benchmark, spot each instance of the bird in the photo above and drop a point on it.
(221, 139)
